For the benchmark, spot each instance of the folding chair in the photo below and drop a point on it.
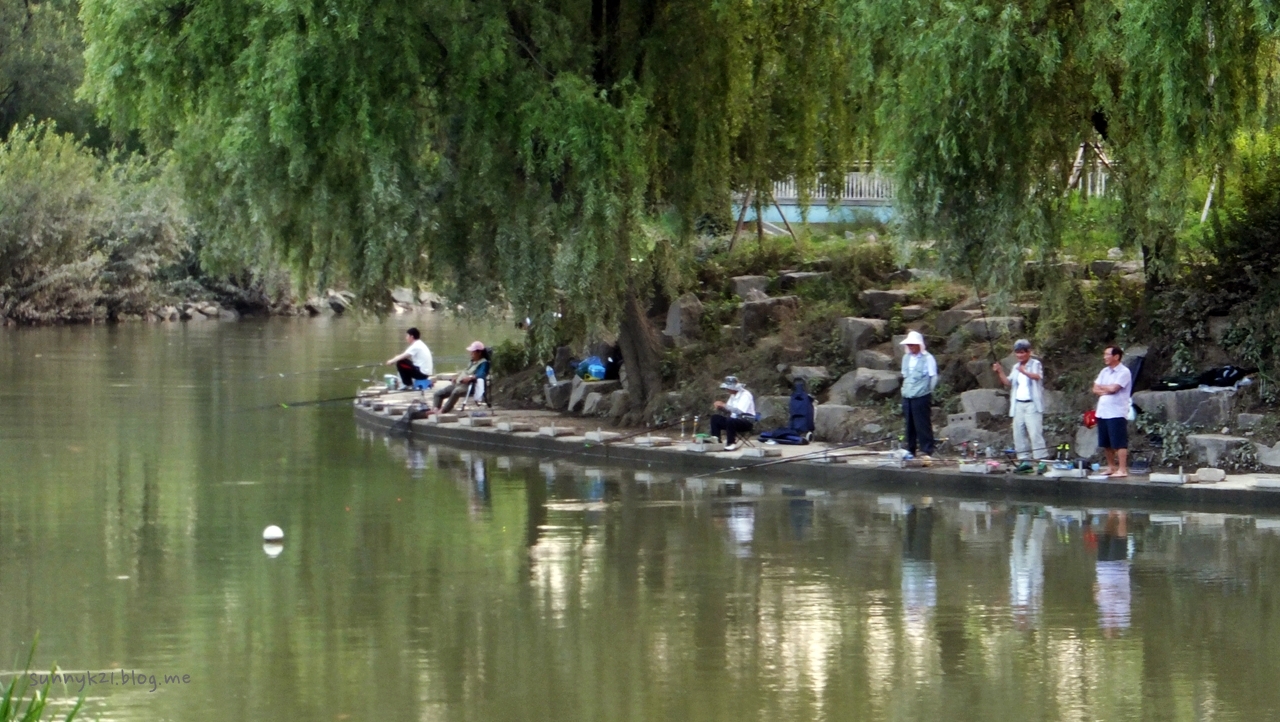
(478, 390)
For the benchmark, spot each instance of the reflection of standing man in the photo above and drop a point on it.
(1026, 567)
(919, 377)
(1112, 590)
(1112, 389)
(919, 575)
(1026, 401)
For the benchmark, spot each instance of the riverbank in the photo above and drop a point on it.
(551, 433)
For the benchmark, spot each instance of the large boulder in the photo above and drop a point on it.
(860, 333)
(834, 423)
(812, 375)
(684, 318)
(913, 313)
(949, 321)
(1187, 406)
(864, 384)
(991, 401)
(869, 359)
(404, 296)
(619, 404)
(981, 370)
(774, 411)
(749, 286)
(880, 303)
(1268, 456)
(594, 404)
(1086, 446)
(758, 315)
(557, 394)
(994, 326)
(788, 281)
(957, 434)
(1210, 449)
(580, 389)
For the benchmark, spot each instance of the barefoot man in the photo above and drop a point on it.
(1112, 389)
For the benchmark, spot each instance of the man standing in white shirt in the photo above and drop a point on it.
(1112, 389)
(1026, 401)
(415, 363)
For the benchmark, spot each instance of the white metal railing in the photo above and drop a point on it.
(860, 186)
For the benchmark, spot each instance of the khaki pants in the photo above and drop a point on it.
(1028, 431)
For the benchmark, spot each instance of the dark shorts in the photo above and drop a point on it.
(1113, 433)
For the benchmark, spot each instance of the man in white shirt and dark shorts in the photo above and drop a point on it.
(1112, 389)
(415, 363)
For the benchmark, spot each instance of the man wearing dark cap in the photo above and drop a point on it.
(1026, 401)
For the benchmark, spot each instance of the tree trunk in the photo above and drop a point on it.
(641, 352)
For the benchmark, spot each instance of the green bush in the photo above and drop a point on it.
(82, 237)
(510, 357)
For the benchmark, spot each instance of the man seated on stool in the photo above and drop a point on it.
(415, 363)
(740, 412)
(479, 369)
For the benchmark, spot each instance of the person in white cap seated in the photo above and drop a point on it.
(919, 378)
(479, 369)
(739, 413)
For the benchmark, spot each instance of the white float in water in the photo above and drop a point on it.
(272, 533)
(272, 549)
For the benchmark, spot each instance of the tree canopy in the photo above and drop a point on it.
(546, 151)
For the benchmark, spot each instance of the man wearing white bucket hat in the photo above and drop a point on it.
(919, 377)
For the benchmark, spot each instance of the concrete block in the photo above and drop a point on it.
(1066, 473)
(1209, 449)
(442, 419)
(865, 384)
(704, 447)
(879, 303)
(979, 468)
(1167, 479)
(1266, 482)
(477, 421)
(949, 321)
(994, 326)
(1267, 455)
(554, 431)
(760, 452)
(1209, 475)
(834, 422)
(749, 286)
(512, 427)
(868, 359)
(1248, 421)
(557, 395)
(594, 404)
(1086, 446)
(652, 441)
(860, 333)
(991, 401)
(602, 436)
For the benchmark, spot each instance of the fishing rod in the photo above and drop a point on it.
(982, 309)
(318, 371)
(647, 430)
(316, 402)
(800, 457)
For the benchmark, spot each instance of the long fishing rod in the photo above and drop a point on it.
(647, 430)
(318, 371)
(315, 402)
(799, 457)
(982, 309)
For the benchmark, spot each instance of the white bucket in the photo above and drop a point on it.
(391, 381)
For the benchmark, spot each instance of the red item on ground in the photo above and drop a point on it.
(1090, 419)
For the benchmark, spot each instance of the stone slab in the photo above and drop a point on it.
(976, 468)
(760, 452)
(652, 441)
(512, 427)
(477, 421)
(442, 419)
(708, 447)
(602, 436)
(554, 431)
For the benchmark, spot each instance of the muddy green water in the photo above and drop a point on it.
(427, 583)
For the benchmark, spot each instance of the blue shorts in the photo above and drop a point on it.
(1113, 433)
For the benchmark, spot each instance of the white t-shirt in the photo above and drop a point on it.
(420, 356)
(1114, 406)
(742, 404)
(1022, 384)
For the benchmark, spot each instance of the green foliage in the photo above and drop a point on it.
(1085, 317)
(81, 237)
(12, 707)
(1171, 437)
(41, 65)
(510, 357)
(510, 150)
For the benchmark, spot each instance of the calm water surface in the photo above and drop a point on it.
(138, 468)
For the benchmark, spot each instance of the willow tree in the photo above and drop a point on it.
(984, 103)
(512, 150)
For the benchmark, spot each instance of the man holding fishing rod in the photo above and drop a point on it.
(415, 363)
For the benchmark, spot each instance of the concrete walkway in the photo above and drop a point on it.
(549, 432)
